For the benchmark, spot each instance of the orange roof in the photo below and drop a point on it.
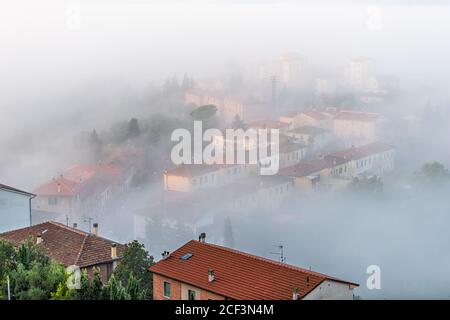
(192, 170)
(304, 169)
(269, 124)
(318, 115)
(357, 116)
(59, 187)
(238, 275)
(67, 245)
(363, 151)
(81, 173)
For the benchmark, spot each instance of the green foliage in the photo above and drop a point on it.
(63, 292)
(33, 275)
(204, 112)
(134, 268)
(114, 290)
(133, 129)
(95, 145)
(433, 173)
(89, 289)
(238, 123)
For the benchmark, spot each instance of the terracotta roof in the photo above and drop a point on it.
(8, 188)
(269, 124)
(308, 130)
(304, 169)
(67, 245)
(59, 187)
(192, 170)
(356, 116)
(318, 115)
(238, 275)
(363, 151)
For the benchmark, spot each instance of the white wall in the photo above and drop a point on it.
(331, 290)
(14, 210)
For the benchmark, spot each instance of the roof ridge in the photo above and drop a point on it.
(81, 249)
(84, 233)
(249, 255)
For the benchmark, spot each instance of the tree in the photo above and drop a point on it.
(114, 290)
(95, 145)
(63, 292)
(134, 267)
(237, 123)
(33, 275)
(133, 129)
(433, 173)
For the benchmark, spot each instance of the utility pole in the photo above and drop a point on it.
(274, 81)
(9, 287)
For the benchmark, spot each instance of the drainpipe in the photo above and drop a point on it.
(32, 197)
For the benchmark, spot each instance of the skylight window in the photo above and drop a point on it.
(186, 256)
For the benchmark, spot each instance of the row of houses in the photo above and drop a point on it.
(84, 189)
(195, 271)
(351, 127)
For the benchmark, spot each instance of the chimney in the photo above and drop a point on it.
(75, 225)
(95, 229)
(113, 251)
(165, 255)
(202, 237)
(295, 294)
(211, 275)
(59, 187)
(39, 239)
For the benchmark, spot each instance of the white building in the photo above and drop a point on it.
(15, 208)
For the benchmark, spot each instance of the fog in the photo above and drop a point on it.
(69, 67)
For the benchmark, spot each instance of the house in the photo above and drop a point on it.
(314, 118)
(374, 158)
(270, 124)
(355, 127)
(192, 177)
(15, 208)
(204, 271)
(307, 174)
(80, 189)
(314, 137)
(71, 246)
(291, 152)
(336, 170)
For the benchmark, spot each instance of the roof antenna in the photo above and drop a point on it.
(89, 220)
(280, 253)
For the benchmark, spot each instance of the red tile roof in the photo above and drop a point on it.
(269, 124)
(363, 151)
(304, 169)
(192, 170)
(67, 245)
(238, 275)
(8, 188)
(318, 115)
(79, 173)
(357, 116)
(59, 187)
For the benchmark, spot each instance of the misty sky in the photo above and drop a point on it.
(61, 73)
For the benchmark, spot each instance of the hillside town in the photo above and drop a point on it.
(329, 180)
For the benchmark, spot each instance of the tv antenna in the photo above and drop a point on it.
(89, 220)
(280, 253)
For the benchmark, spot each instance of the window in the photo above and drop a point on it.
(194, 182)
(52, 201)
(166, 289)
(109, 270)
(191, 295)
